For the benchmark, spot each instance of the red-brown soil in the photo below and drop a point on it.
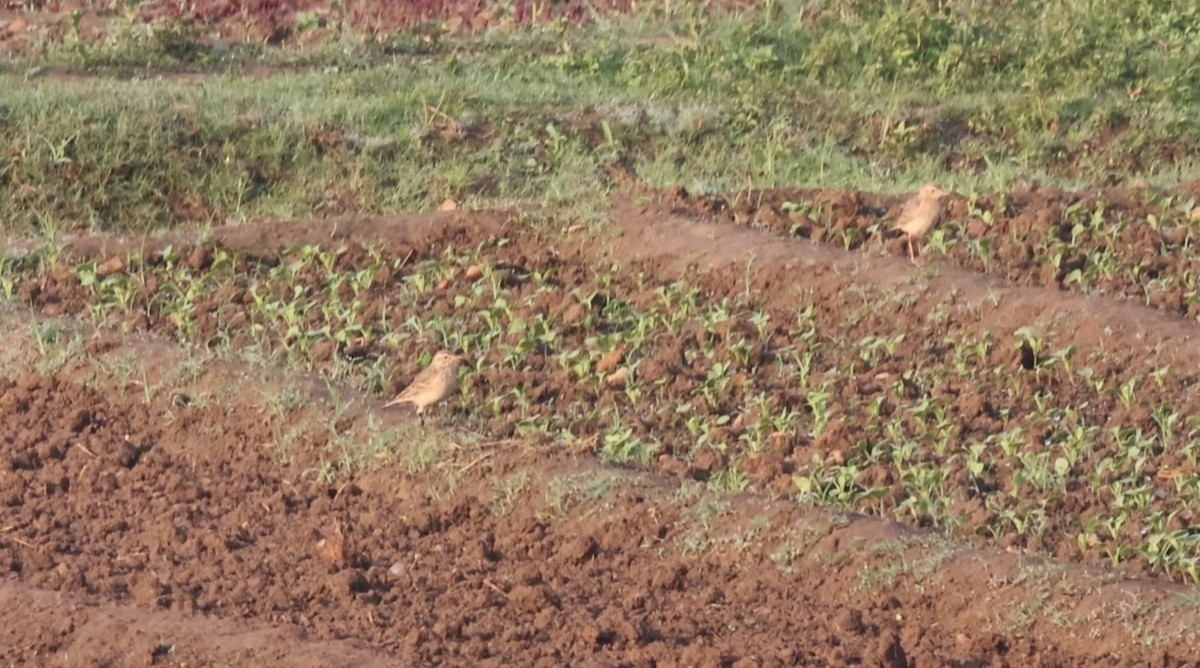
(1151, 247)
(152, 517)
(169, 532)
(852, 297)
(181, 510)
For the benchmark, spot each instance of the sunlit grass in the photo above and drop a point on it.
(851, 94)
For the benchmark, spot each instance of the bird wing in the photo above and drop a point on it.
(419, 385)
(909, 210)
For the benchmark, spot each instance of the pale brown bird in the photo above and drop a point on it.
(919, 214)
(432, 385)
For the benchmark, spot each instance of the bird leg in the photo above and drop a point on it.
(911, 258)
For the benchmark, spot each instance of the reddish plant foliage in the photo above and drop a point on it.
(369, 16)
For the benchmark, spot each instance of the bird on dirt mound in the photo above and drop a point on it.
(919, 214)
(432, 385)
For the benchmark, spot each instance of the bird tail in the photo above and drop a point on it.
(398, 401)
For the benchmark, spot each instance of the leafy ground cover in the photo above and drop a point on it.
(663, 245)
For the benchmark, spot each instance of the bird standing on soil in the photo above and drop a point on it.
(919, 214)
(432, 385)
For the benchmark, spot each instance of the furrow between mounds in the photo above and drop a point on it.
(192, 502)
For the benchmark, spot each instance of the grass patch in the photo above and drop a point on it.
(853, 94)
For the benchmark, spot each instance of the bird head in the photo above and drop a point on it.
(931, 192)
(445, 359)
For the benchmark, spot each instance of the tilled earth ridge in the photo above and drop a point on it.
(223, 531)
(953, 325)
(166, 505)
(1126, 242)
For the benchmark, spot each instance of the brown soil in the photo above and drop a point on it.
(853, 297)
(1023, 229)
(156, 518)
(176, 514)
(164, 531)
